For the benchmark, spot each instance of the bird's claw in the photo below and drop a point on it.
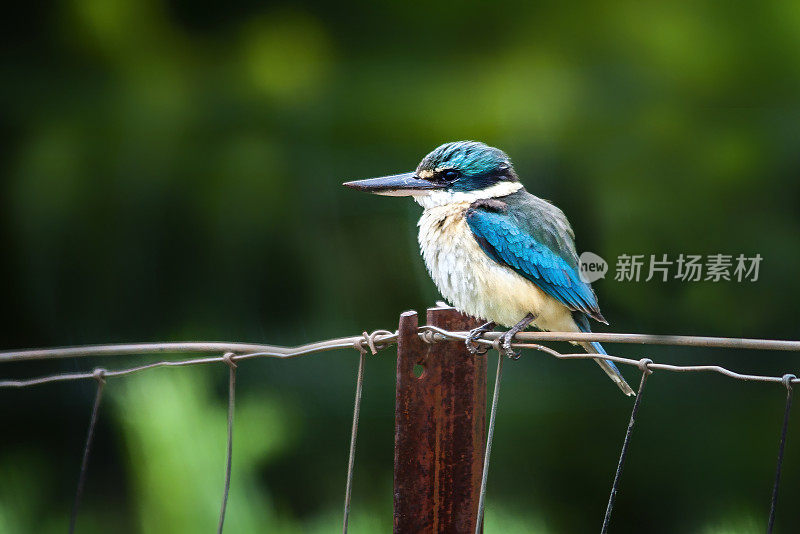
(472, 342)
(505, 346)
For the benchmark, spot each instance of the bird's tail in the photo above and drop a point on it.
(611, 370)
(592, 347)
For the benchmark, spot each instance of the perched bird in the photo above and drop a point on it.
(494, 250)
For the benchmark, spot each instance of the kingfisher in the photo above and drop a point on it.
(494, 250)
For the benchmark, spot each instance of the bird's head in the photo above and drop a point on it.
(451, 171)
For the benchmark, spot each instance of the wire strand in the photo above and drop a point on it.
(99, 375)
(353, 433)
(625, 445)
(781, 447)
(489, 440)
(382, 339)
(228, 358)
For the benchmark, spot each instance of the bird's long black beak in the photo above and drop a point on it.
(397, 185)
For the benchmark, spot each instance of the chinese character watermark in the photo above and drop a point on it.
(629, 268)
(663, 267)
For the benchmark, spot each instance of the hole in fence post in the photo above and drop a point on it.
(419, 370)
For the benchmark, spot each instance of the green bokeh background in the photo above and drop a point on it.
(172, 171)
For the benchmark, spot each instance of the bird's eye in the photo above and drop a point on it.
(450, 175)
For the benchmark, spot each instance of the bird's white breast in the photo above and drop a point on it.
(473, 282)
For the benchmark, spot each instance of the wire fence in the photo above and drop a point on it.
(231, 353)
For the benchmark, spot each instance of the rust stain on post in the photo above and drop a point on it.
(440, 428)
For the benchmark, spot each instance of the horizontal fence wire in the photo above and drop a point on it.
(382, 339)
(230, 353)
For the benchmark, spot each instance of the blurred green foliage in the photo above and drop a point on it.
(172, 171)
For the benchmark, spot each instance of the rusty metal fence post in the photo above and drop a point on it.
(440, 428)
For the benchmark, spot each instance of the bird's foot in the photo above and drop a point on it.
(472, 339)
(505, 345)
(504, 342)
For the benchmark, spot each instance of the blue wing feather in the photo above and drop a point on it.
(501, 237)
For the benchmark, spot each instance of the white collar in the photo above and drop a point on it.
(441, 198)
